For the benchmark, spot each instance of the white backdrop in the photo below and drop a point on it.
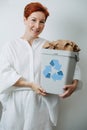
(67, 20)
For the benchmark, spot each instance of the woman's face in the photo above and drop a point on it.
(35, 23)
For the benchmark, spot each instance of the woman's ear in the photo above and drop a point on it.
(24, 19)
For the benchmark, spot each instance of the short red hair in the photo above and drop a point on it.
(34, 7)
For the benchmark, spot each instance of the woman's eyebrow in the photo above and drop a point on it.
(36, 18)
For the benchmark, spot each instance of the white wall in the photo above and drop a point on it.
(68, 20)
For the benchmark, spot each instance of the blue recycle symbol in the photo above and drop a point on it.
(57, 74)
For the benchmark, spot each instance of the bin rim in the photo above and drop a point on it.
(64, 53)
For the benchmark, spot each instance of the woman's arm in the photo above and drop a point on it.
(69, 89)
(23, 83)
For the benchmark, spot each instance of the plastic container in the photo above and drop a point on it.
(57, 69)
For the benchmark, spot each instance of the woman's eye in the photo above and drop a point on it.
(42, 22)
(33, 20)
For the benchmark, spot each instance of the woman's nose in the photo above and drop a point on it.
(37, 24)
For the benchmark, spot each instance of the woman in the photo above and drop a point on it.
(26, 106)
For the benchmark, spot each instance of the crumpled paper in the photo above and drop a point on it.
(62, 45)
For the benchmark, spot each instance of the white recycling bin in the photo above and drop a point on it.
(57, 69)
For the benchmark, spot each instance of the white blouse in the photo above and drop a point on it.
(19, 59)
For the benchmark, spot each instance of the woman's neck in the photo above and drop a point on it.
(28, 38)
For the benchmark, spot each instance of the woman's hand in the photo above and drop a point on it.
(38, 89)
(23, 83)
(69, 89)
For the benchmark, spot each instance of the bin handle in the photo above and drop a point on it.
(77, 58)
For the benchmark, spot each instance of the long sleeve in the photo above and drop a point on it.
(77, 73)
(8, 75)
